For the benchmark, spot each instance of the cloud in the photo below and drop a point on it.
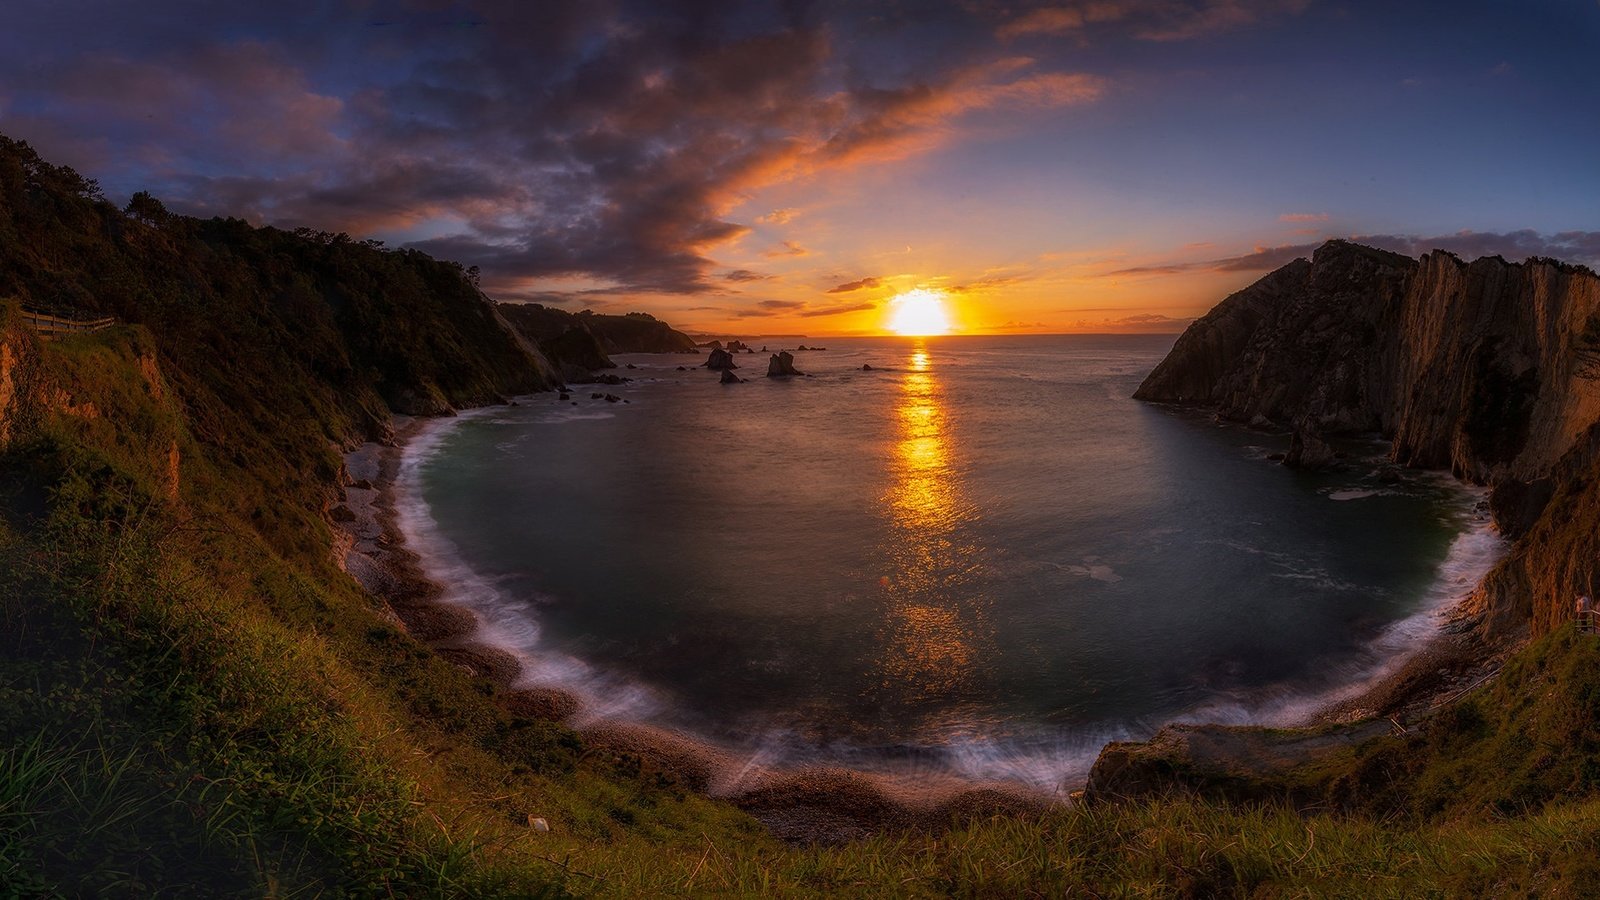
(837, 310)
(539, 141)
(849, 286)
(1152, 323)
(781, 304)
(787, 248)
(1581, 247)
(988, 283)
(1151, 20)
(741, 276)
(1303, 217)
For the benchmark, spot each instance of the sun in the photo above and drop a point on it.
(919, 312)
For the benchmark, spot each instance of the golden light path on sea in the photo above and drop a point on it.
(930, 647)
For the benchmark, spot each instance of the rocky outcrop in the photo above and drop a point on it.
(576, 354)
(729, 378)
(781, 365)
(1241, 764)
(720, 359)
(1489, 369)
(1308, 451)
(630, 333)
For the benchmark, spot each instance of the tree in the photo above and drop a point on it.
(147, 209)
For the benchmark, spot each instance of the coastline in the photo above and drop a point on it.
(801, 803)
(807, 804)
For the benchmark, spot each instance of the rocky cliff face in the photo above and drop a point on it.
(1490, 369)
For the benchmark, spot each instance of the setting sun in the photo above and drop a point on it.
(919, 312)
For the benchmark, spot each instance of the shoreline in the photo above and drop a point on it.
(803, 803)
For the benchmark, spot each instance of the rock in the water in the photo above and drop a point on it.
(597, 396)
(782, 365)
(612, 398)
(1308, 451)
(866, 367)
(737, 346)
(730, 378)
(720, 359)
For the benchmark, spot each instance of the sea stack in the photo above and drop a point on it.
(720, 359)
(782, 365)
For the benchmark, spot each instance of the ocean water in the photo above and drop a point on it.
(982, 557)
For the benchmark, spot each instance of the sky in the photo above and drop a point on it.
(791, 167)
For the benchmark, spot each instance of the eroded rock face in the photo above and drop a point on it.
(1242, 764)
(1308, 451)
(576, 353)
(720, 359)
(1490, 369)
(729, 378)
(781, 365)
(1482, 368)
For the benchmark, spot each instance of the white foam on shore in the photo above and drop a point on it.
(1472, 554)
(505, 621)
(1047, 760)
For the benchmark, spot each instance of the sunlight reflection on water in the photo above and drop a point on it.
(928, 632)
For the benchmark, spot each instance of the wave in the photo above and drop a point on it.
(1048, 760)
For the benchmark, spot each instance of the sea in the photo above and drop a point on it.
(979, 558)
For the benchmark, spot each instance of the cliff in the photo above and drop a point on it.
(631, 333)
(1488, 369)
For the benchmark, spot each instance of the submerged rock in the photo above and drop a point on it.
(782, 365)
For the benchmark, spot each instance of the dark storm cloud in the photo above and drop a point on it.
(603, 140)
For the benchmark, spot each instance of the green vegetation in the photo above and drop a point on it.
(195, 700)
(631, 333)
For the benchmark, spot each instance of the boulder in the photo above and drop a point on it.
(865, 367)
(730, 378)
(782, 365)
(1307, 450)
(720, 359)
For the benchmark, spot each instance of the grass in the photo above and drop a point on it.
(194, 700)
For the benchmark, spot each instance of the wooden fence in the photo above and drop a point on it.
(53, 327)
